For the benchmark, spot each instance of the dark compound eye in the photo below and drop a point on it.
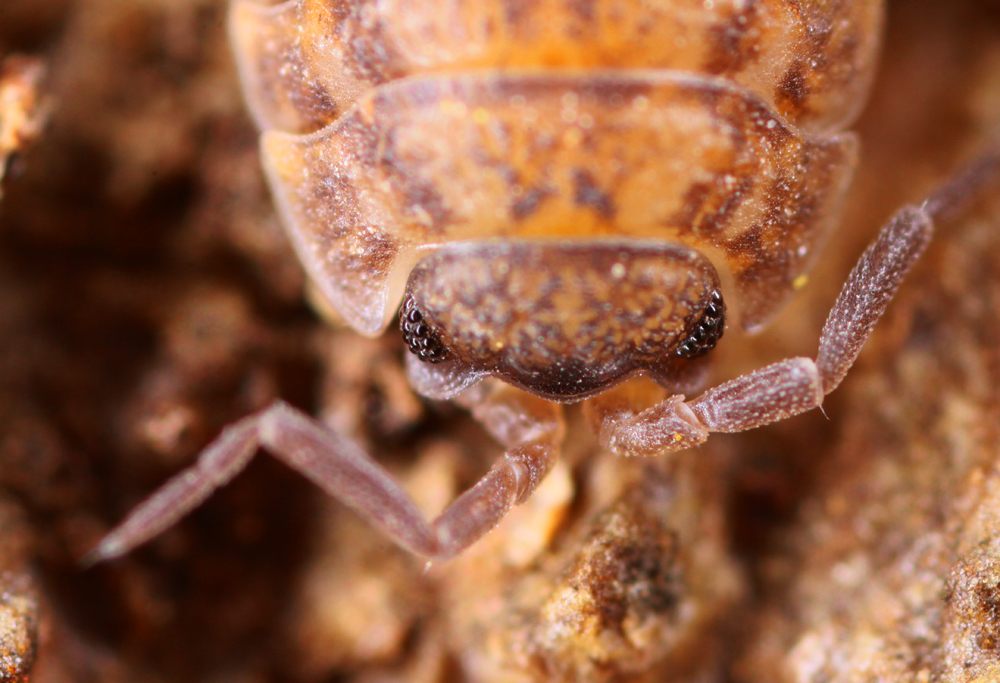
(419, 336)
(707, 333)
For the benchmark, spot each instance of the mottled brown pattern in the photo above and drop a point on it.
(736, 40)
(338, 50)
(515, 12)
(793, 91)
(826, 62)
(588, 193)
(784, 243)
(337, 238)
(423, 203)
(573, 156)
(563, 319)
(528, 202)
(988, 616)
(367, 38)
(584, 9)
(285, 87)
(637, 571)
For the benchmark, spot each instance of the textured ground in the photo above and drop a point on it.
(147, 298)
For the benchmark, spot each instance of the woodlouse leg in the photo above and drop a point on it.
(667, 426)
(531, 428)
(795, 385)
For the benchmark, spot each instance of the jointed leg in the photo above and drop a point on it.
(795, 385)
(530, 428)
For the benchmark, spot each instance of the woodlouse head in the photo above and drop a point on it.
(564, 320)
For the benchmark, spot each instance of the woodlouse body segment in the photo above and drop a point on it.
(642, 155)
(305, 62)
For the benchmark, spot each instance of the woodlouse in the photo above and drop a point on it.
(559, 193)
